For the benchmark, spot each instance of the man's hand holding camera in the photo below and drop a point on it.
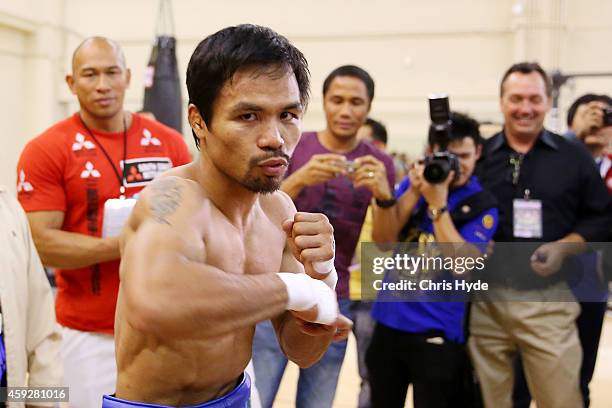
(366, 171)
(321, 168)
(436, 194)
(372, 174)
(591, 119)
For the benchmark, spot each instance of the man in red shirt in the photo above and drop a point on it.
(76, 182)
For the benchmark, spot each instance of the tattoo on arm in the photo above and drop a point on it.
(165, 199)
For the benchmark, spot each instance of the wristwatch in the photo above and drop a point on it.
(435, 213)
(386, 203)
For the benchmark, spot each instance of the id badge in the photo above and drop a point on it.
(527, 218)
(116, 213)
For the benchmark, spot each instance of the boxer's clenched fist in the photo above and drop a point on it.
(311, 239)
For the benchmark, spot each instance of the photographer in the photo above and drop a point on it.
(423, 342)
(590, 121)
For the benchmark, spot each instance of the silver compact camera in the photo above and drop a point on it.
(350, 166)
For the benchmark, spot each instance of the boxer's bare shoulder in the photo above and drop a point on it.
(278, 206)
(176, 203)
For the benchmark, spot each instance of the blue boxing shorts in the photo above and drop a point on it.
(239, 397)
(2, 358)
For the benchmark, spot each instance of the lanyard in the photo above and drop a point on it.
(516, 160)
(110, 161)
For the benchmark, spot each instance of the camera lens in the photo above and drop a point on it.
(436, 171)
(439, 165)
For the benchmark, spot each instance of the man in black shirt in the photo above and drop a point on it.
(587, 127)
(551, 199)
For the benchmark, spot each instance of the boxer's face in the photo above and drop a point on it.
(256, 124)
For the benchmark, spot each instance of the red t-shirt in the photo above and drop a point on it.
(65, 169)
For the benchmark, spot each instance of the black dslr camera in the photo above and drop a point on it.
(439, 165)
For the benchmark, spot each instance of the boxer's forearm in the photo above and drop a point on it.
(168, 295)
(301, 348)
(222, 305)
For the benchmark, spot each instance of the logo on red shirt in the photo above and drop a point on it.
(90, 171)
(23, 185)
(148, 139)
(81, 143)
(140, 171)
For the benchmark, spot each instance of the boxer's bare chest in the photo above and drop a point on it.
(256, 249)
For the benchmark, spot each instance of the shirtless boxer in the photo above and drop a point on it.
(202, 246)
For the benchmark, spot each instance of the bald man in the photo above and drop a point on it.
(76, 182)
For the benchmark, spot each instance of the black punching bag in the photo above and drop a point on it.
(162, 95)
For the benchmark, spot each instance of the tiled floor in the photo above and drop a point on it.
(346, 396)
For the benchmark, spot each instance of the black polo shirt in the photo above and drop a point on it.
(561, 174)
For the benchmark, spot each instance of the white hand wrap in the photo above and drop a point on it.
(327, 267)
(304, 293)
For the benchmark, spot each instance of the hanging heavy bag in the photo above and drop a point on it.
(162, 95)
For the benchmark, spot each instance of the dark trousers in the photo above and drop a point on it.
(589, 324)
(396, 359)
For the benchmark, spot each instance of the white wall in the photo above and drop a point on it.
(31, 54)
(12, 114)
(411, 48)
(586, 48)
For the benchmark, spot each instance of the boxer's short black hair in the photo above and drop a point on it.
(219, 56)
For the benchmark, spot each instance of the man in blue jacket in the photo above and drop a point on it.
(422, 343)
